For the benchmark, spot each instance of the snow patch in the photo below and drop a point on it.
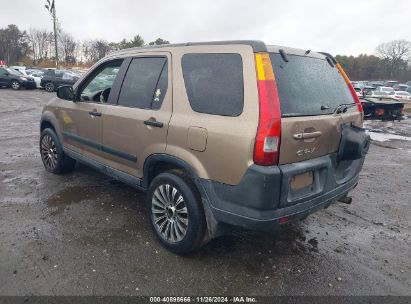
(386, 136)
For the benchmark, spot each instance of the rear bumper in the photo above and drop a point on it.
(263, 199)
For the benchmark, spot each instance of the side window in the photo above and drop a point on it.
(97, 87)
(145, 83)
(58, 74)
(214, 83)
(68, 76)
(2, 72)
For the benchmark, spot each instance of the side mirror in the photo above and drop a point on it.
(6, 74)
(65, 92)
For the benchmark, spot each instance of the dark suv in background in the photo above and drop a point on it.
(52, 79)
(13, 79)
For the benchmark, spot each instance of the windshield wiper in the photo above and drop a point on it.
(342, 108)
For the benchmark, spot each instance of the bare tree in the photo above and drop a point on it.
(41, 37)
(33, 42)
(68, 45)
(396, 53)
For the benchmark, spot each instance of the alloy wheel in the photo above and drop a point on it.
(49, 87)
(15, 85)
(169, 212)
(49, 152)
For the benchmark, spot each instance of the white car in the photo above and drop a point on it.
(400, 95)
(378, 94)
(384, 89)
(37, 75)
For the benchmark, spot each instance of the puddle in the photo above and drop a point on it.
(72, 195)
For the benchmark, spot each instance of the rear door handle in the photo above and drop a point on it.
(94, 113)
(153, 123)
(309, 135)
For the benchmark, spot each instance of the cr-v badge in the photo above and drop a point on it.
(303, 152)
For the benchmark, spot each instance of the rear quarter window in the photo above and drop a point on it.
(214, 83)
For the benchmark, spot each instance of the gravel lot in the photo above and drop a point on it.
(85, 234)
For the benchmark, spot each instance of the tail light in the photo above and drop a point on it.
(379, 112)
(348, 82)
(267, 141)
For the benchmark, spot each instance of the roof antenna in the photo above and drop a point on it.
(307, 52)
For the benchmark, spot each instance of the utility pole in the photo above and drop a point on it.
(51, 7)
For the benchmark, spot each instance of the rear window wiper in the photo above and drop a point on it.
(342, 108)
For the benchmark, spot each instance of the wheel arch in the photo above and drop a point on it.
(48, 120)
(158, 163)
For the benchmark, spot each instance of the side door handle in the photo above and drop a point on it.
(94, 113)
(152, 122)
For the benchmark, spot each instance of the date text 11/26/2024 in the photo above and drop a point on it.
(239, 299)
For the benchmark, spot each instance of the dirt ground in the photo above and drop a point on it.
(85, 234)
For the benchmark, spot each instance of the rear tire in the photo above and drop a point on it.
(176, 213)
(15, 85)
(52, 154)
(49, 87)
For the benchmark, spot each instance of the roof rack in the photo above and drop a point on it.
(257, 45)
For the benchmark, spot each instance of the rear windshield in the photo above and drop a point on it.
(306, 84)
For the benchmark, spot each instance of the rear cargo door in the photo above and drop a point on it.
(310, 90)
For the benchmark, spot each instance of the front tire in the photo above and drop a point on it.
(176, 213)
(15, 85)
(49, 87)
(52, 154)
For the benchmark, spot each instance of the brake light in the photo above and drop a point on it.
(379, 112)
(284, 219)
(350, 87)
(267, 141)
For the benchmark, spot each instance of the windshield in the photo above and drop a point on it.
(307, 85)
(14, 72)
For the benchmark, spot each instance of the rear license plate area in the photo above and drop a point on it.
(301, 181)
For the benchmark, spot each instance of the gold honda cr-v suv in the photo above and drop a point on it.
(219, 134)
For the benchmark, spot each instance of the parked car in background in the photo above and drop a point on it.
(377, 94)
(408, 83)
(384, 89)
(358, 91)
(20, 68)
(52, 79)
(367, 89)
(376, 84)
(37, 75)
(382, 108)
(15, 80)
(390, 83)
(400, 95)
(400, 87)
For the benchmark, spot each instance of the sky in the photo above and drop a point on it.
(349, 27)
